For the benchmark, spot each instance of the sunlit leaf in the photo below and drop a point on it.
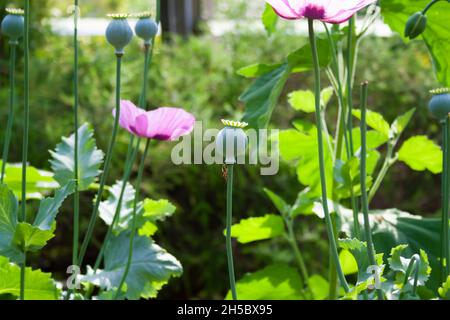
(269, 19)
(374, 120)
(278, 202)
(258, 228)
(420, 153)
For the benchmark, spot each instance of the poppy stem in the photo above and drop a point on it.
(445, 254)
(415, 262)
(230, 176)
(363, 173)
(12, 71)
(76, 198)
(328, 222)
(26, 120)
(351, 27)
(104, 176)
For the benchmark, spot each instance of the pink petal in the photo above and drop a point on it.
(141, 125)
(283, 9)
(128, 114)
(168, 123)
(341, 13)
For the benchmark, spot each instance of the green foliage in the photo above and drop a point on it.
(151, 267)
(375, 121)
(258, 228)
(39, 285)
(420, 153)
(303, 100)
(89, 158)
(444, 291)
(269, 19)
(399, 263)
(275, 282)
(436, 34)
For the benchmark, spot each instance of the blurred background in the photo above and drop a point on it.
(195, 68)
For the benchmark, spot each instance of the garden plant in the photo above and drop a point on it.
(340, 157)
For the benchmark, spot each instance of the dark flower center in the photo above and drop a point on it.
(313, 11)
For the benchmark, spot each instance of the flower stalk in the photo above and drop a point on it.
(413, 264)
(229, 221)
(363, 174)
(328, 221)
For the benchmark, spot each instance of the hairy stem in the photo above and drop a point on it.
(329, 224)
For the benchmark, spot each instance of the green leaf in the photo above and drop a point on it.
(269, 19)
(399, 263)
(39, 182)
(31, 238)
(38, 285)
(48, 208)
(303, 204)
(318, 286)
(151, 267)
(420, 154)
(436, 34)
(275, 282)
(374, 139)
(148, 229)
(158, 209)
(302, 100)
(444, 290)
(375, 121)
(90, 158)
(258, 228)
(8, 223)
(348, 262)
(400, 123)
(278, 202)
(261, 97)
(257, 69)
(107, 208)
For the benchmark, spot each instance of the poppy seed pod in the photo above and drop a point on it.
(231, 141)
(146, 28)
(415, 25)
(13, 24)
(119, 32)
(439, 104)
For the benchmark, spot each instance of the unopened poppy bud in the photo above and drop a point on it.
(13, 24)
(146, 28)
(119, 32)
(440, 103)
(415, 25)
(231, 141)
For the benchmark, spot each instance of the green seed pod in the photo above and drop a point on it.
(146, 28)
(13, 24)
(119, 32)
(415, 25)
(439, 104)
(231, 141)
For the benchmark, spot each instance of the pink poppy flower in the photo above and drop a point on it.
(165, 123)
(331, 11)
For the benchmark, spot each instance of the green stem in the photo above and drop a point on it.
(230, 176)
(329, 224)
(415, 262)
(76, 198)
(350, 83)
(131, 156)
(363, 173)
(388, 162)
(445, 212)
(26, 120)
(104, 176)
(134, 219)
(298, 255)
(12, 70)
(429, 5)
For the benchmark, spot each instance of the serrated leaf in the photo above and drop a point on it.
(31, 238)
(8, 223)
(444, 290)
(420, 153)
(269, 19)
(400, 123)
(278, 202)
(90, 158)
(258, 228)
(151, 267)
(158, 209)
(275, 282)
(374, 120)
(148, 229)
(398, 262)
(38, 285)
